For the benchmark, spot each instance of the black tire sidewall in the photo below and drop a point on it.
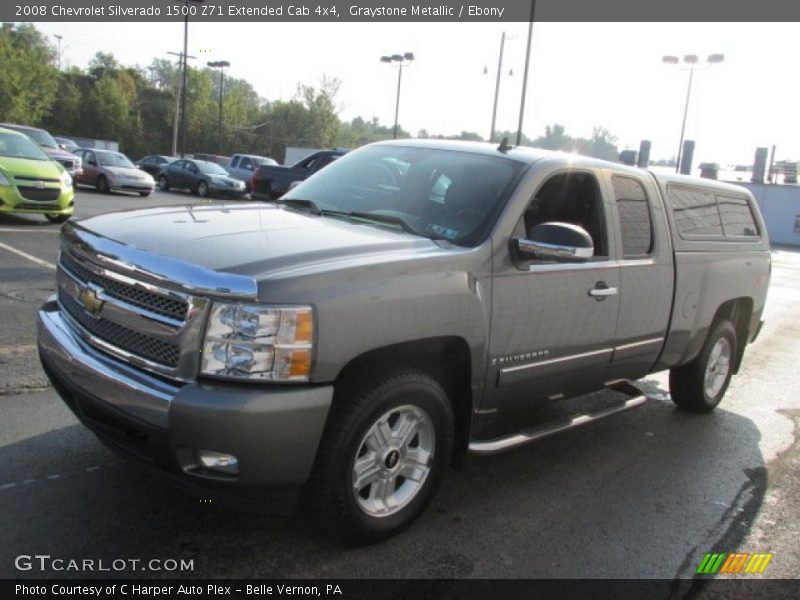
(428, 396)
(163, 184)
(102, 185)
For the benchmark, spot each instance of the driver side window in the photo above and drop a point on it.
(571, 197)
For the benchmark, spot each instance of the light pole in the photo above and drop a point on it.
(503, 39)
(185, 66)
(178, 96)
(692, 61)
(59, 38)
(399, 61)
(525, 76)
(221, 65)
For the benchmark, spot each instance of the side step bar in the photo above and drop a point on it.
(487, 448)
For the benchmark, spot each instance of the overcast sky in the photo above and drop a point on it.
(582, 75)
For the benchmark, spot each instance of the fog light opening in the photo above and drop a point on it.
(218, 462)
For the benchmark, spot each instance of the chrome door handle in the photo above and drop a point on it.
(601, 290)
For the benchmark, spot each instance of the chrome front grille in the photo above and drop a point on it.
(142, 323)
(146, 310)
(158, 351)
(141, 298)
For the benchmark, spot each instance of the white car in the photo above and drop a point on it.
(107, 170)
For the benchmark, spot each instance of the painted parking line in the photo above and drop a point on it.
(30, 257)
(8, 230)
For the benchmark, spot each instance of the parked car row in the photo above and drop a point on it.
(109, 171)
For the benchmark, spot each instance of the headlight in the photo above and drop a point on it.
(4, 180)
(66, 180)
(254, 341)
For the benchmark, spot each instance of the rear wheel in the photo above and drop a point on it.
(700, 385)
(55, 218)
(384, 452)
(163, 184)
(102, 185)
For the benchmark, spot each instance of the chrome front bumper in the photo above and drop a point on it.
(274, 431)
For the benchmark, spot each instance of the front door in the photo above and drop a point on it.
(553, 323)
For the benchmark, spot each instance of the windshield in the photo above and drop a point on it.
(113, 159)
(210, 168)
(438, 193)
(19, 146)
(41, 137)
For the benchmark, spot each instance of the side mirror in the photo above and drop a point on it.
(562, 242)
(62, 146)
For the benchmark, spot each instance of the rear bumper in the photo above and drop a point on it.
(273, 431)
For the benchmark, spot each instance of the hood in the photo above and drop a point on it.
(256, 240)
(57, 152)
(224, 177)
(23, 167)
(128, 172)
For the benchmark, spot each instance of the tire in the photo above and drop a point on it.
(401, 473)
(144, 194)
(700, 385)
(163, 184)
(102, 185)
(57, 218)
(202, 189)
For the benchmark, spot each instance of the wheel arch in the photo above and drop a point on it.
(447, 359)
(738, 311)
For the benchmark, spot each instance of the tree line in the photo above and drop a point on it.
(136, 107)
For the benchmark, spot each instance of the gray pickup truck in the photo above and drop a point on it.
(410, 303)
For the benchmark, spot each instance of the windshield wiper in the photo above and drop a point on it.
(378, 218)
(314, 208)
(309, 205)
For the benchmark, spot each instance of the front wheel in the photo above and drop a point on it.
(102, 185)
(163, 184)
(144, 194)
(202, 189)
(386, 447)
(700, 385)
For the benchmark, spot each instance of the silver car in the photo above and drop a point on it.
(108, 171)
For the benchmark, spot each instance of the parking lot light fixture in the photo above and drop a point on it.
(693, 61)
(399, 61)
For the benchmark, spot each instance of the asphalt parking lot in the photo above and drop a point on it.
(644, 494)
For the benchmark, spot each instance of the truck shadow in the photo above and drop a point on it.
(643, 494)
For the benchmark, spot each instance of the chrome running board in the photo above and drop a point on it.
(487, 448)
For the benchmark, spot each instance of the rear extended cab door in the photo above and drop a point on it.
(643, 253)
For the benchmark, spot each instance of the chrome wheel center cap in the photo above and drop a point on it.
(391, 459)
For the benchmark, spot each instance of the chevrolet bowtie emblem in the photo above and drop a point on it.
(90, 301)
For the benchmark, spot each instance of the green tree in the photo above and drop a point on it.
(65, 114)
(29, 79)
(107, 111)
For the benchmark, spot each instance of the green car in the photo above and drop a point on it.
(31, 182)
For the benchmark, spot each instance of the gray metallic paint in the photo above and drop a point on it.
(372, 288)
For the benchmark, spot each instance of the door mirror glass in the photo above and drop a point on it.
(562, 242)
